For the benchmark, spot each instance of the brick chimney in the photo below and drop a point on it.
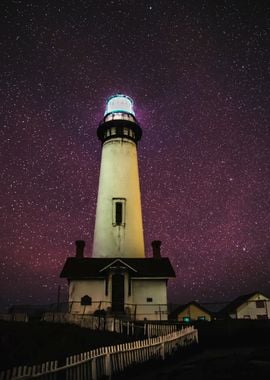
(80, 244)
(156, 249)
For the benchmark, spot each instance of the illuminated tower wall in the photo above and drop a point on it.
(118, 226)
(118, 279)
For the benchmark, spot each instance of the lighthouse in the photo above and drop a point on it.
(118, 227)
(119, 279)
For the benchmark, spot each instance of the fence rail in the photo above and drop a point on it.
(146, 329)
(106, 361)
(16, 317)
(131, 311)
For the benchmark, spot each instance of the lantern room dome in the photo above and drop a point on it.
(119, 103)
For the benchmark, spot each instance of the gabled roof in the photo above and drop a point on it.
(181, 308)
(84, 268)
(233, 306)
(117, 263)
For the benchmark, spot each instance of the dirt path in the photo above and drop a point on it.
(214, 364)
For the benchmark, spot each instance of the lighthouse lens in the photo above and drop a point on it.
(119, 103)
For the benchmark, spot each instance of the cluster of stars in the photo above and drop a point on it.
(199, 76)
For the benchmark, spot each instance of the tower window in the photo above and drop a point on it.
(131, 133)
(118, 213)
(119, 210)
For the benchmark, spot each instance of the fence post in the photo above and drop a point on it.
(94, 369)
(135, 311)
(196, 336)
(108, 369)
(162, 348)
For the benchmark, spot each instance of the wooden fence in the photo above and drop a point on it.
(106, 361)
(146, 329)
(16, 317)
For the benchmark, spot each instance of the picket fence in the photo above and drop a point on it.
(14, 317)
(146, 329)
(106, 361)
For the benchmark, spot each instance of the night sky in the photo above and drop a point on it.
(198, 72)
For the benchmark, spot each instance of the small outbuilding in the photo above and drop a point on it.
(191, 312)
(255, 305)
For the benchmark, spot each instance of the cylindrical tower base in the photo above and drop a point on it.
(118, 228)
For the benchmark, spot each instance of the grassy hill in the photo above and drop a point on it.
(35, 342)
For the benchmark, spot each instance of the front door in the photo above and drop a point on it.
(118, 294)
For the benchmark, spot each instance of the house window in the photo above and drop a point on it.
(259, 304)
(119, 211)
(201, 318)
(86, 301)
(262, 316)
(149, 299)
(186, 319)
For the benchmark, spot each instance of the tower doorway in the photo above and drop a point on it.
(118, 293)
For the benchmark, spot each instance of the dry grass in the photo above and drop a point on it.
(36, 342)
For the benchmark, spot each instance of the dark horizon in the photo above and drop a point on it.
(198, 73)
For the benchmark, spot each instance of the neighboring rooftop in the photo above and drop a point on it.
(232, 306)
(181, 308)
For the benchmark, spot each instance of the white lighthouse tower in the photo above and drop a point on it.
(118, 279)
(118, 227)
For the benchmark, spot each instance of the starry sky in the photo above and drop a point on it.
(198, 72)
